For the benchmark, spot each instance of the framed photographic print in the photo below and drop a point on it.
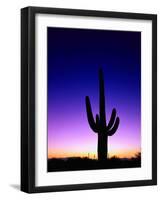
(88, 99)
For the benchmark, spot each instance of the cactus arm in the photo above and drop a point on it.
(112, 119)
(90, 115)
(114, 128)
(102, 100)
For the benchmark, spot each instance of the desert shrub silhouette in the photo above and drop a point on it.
(98, 124)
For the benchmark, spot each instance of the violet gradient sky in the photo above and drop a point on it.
(74, 57)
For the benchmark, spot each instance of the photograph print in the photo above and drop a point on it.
(93, 99)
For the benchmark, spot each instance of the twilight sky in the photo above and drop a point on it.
(74, 57)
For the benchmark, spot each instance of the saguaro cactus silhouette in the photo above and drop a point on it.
(98, 124)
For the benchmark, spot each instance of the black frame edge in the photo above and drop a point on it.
(92, 186)
(24, 100)
(94, 13)
(154, 99)
(27, 107)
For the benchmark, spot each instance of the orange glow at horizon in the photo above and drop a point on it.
(93, 155)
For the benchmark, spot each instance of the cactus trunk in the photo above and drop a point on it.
(102, 150)
(102, 100)
(102, 137)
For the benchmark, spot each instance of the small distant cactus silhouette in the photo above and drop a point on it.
(99, 124)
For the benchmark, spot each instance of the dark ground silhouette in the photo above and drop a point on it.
(78, 163)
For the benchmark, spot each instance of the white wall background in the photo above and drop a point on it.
(10, 98)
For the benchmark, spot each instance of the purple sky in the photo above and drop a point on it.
(74, 57)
